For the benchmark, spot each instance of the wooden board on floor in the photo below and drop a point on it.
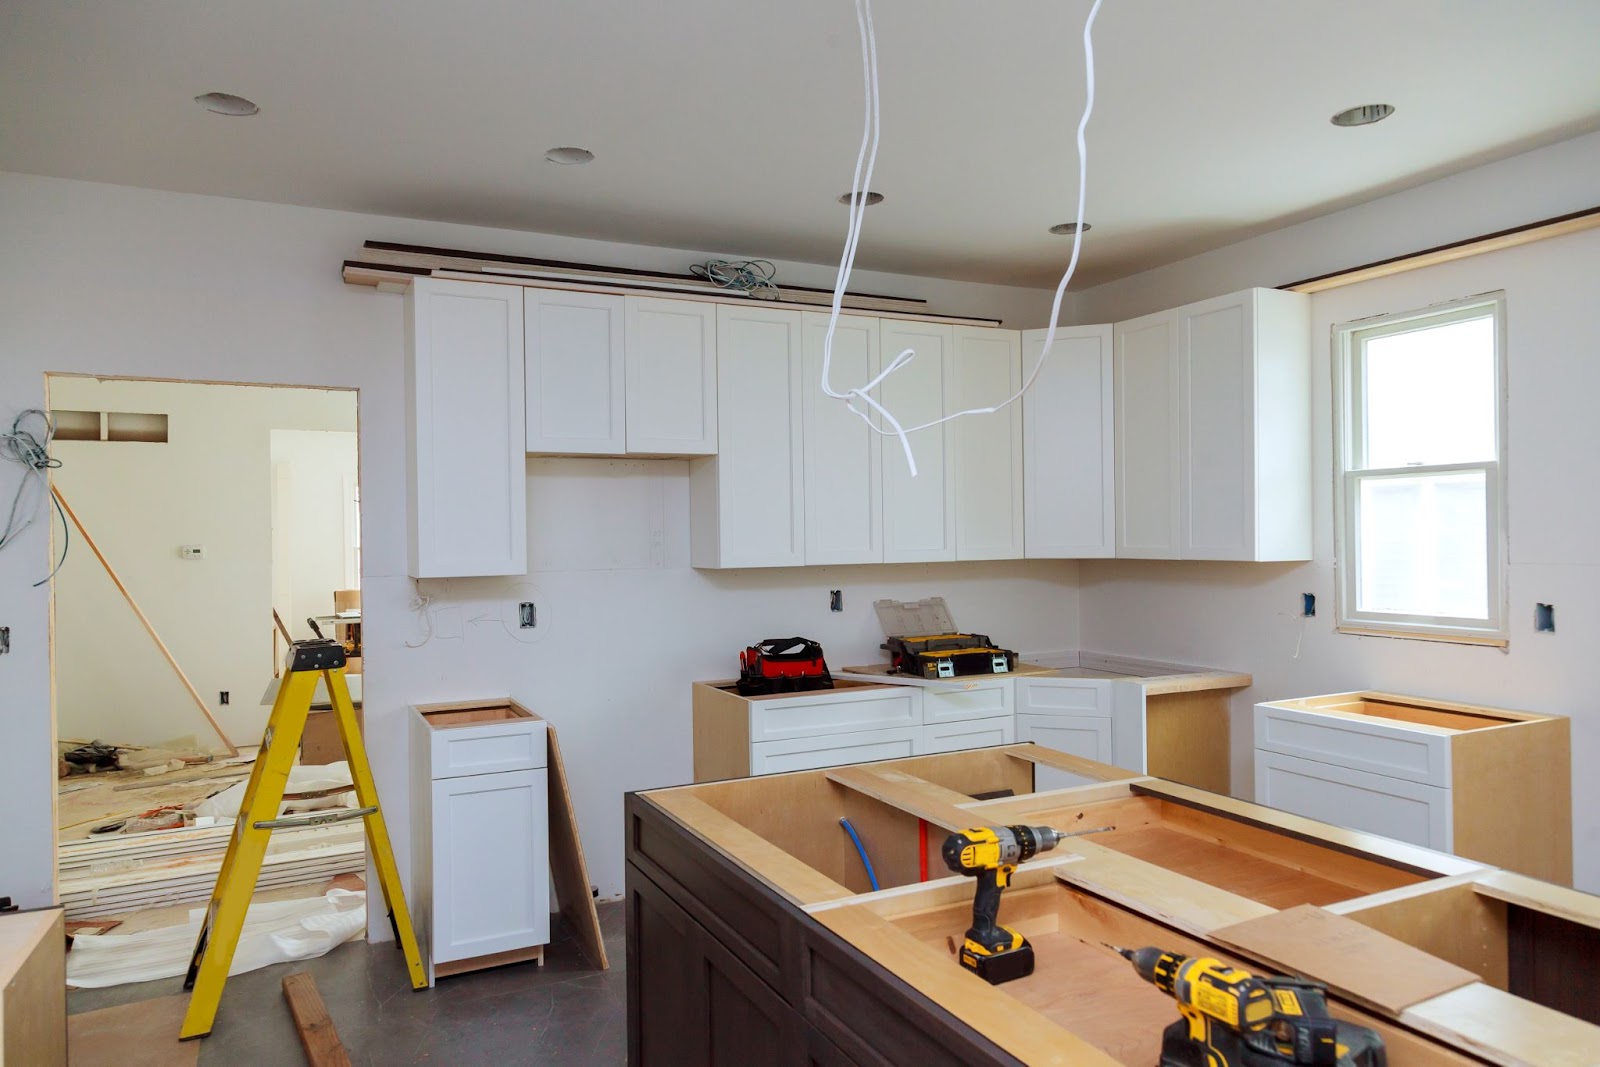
(311, 1021)
(33, 989)
(1357, 962)
(141, 1034)
(568, 869)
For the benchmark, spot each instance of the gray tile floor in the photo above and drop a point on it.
(561, 1013)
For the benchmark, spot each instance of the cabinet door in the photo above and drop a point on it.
(956, 736)
(1087, 736)
(1145, 357)
(1406, 811)
(834, 750)
(987, 449)
(467, 464)
(919, 514)
(843, 455)
(1069, 488)
(574, 372)
(1216, 490)
(491, 869)
(747, 506)
(672, 377)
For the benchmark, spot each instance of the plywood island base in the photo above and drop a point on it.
(755, 937)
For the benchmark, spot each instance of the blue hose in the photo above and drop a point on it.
(851, 830)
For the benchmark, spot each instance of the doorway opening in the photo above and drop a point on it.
(204, 525)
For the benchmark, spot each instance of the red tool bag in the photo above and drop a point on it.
(783, 665)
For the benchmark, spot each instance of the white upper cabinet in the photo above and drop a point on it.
(919, 514)
(1068, 478)
(986, 450)
(843, 455)
(672, 377)
(1213, 449)
(747, 505)
(1245, 478)
(466, 463)
(1147, 398)
(574, 372)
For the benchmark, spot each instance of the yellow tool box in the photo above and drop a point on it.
(922, 641)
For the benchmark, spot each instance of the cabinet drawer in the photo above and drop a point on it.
(978, 733)
(809, 753)
(1064, 696)
(487, 748)
(834, 711)
(962, 705)
(1394, 807)
(1088, 736)
(1416, 754)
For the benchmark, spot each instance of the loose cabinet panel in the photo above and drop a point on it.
(1069, 488)
(919, 513)
(574, 346)
(843, 455)
(465, 457)
(1147, 401)
(671, 377)
(489, 896)
(986, 450)
(747, 506)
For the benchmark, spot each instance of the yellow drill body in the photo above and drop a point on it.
(990, 854)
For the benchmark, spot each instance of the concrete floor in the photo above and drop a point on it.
(561, 1013)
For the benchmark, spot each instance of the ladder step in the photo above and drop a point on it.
(343, 815)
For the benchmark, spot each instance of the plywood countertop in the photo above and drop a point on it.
(1157, 678)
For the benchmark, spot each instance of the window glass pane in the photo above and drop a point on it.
(1422, 545)
(1430, 395)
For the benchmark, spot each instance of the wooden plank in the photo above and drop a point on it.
(1015, 1027)
(1447, 918)
(1505, 1029)
(721, 733)
(1089, 768)
(1560, 226)
(1564, 903)
(1166, 896)
(1537, 756)
(931, 803)
(783, 872)
(144, 621)
(33, 989)
(1028, 808)
(568, 868)
(1399, 853)
(1187, 737)
(1356, 961)
(311, 1021)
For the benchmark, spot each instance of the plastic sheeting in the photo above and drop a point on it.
(274, 932)
(225, 805)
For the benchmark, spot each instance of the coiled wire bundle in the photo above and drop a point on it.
(753, 276)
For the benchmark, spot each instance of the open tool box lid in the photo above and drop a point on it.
(914, 618)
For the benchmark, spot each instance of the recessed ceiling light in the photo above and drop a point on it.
(569, 157)
(870, 197)
(227, 104)
(1067, 229)
(1365, 115)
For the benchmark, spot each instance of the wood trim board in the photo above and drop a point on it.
(312, 1022)
(568, 869)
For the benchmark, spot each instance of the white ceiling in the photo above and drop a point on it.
(733, 124)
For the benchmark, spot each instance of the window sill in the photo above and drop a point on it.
(1414, 635)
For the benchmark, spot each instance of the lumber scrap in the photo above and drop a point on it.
(312, 1022)
(144, 621)
(567, 867)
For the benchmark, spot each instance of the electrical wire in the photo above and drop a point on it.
(872, 877)
(751, 276)
(861, 181)
(22, 446)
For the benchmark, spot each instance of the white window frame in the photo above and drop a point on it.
(1347, 414)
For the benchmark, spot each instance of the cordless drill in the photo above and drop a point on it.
(990, 854)
(1232, 1017)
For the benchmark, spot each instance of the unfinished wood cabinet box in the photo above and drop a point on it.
(33, 990)
(752, 924)
(1484, 783)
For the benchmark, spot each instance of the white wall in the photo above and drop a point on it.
(208, 485)
(1234, 615)
(118, 281)
(314, 476)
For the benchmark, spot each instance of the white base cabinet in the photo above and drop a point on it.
(480, 837)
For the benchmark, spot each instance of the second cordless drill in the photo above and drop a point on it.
(990, 854)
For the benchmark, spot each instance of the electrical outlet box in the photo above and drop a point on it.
(222, 697)
(1308, 604)
(191, 551)
(5, 640)
(527, 615)
(1544, 618)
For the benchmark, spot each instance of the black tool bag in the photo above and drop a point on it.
(783, 665)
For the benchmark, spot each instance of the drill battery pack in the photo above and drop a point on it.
(1005, 966)
(783, 665)
(948, 656)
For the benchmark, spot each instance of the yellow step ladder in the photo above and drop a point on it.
(258, 817)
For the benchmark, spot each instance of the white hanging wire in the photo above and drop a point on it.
(861, 181)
